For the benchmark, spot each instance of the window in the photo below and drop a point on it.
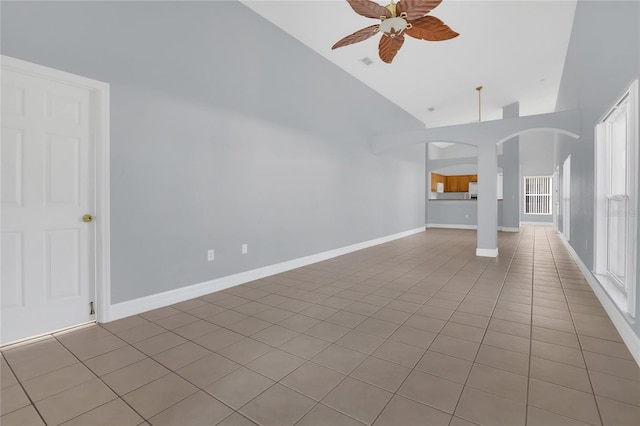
(617, 200)
(537, 195)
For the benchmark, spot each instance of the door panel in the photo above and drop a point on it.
(48, 252)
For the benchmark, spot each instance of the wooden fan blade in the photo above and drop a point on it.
(389, 46)
(358, 36)
(430, 28)
(369, 9)
(416, 8)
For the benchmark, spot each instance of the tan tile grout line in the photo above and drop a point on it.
(32, 403)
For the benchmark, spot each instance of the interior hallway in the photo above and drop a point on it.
(413, 332)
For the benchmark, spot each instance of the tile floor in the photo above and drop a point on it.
(418, 331)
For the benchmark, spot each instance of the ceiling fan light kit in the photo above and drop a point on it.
(397, 19)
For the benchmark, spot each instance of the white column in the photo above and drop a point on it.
(487, 200)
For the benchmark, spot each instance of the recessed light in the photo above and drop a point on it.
(366, 60)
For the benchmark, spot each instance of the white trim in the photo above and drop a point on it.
(100, 110)
(537, 223)
(450, 226)
(487, 252)
(508, 229)
(159, 300)
(630, 338)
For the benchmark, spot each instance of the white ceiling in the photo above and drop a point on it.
(514, 49)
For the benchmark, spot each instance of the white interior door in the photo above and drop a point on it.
(566, 198)
(48, 185)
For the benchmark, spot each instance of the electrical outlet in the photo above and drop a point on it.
(245, 248)
(210, 255)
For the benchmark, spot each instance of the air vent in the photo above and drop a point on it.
(431, 109)
(367, 61)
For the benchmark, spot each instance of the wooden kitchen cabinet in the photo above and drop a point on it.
(454, 183)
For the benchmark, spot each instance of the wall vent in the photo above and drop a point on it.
(367, 61)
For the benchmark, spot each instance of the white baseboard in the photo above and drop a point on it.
(508, 229)
(159, 300)
(630, 338)
(537, 223)
(487, 252)
(450, 226)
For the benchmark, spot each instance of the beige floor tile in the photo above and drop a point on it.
(435, 312)
(249, 326)
(453, 346)
(251, 308)
(245, 350)
(176, 321)
(276, 335)
(195, 329)
(278, 406)
(57, 381)
(346, 319)
(226, 318)
(381, 373)
(66, 405)
(159, 313)
(358, 400)
(445, 366)
(196, 410)
(563, 401)
(236, 419)
(538, 417)
(134, 376)
(140, 332)
(560, 374)
(206, 311)
(458, 421)
(305, 346)
(462, 331)
(27, 361)
(474, 320)
(556, 337)
(413, 336)
(605, 347)
(115, 412)
(275, 364)
(181, 355)
(295, 306)
(403, 411)
(12, 398)
(399, 353)
(510, 327)
(514, 362)
(363, 308)
(507, 341)
(89, 348)
(618, 413)
(207, 370)
(26, 416)
(339, 358)
(313, 380)
(498, 382)
(159, 343)
(219, 339)
(156, 396)
(487, 409)
(378, 327)
(558, 353)
(323, 415)
(319, 312)
(616, 388)
(239, 387)
(614, 366)
(431, 390)
(274, 315)
(361, 342)
(327, 331)
(391, 315)
(114, 360)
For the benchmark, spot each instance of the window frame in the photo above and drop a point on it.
(548, 194)
(622, 293)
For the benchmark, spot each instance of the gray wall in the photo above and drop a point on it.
(224, 130)
(599, 67)
(456, 212)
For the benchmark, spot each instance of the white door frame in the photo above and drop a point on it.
(100, 128)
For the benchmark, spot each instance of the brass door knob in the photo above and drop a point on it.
(87, 218)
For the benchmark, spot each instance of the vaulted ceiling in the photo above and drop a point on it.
(514, 49)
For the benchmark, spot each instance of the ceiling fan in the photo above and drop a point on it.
(397, 19)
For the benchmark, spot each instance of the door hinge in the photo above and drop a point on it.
(92, 311)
